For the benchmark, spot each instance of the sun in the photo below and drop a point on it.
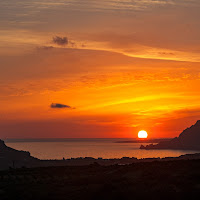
(142, 134)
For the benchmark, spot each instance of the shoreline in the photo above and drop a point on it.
(86, 161)
(12, 158)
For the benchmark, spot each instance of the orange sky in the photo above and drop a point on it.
(114, 68)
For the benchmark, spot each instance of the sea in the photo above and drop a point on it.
(96, 148)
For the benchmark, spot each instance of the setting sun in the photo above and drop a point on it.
(142, 134)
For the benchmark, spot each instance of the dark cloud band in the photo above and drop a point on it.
(59, 105)
(60, 40)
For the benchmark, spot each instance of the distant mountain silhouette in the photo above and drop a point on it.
(10, 157)
(189, 139)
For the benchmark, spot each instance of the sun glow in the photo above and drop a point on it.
(142, 134)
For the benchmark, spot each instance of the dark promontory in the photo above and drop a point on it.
(189, 139)
(10, 157)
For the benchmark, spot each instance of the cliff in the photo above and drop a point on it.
(10, 157)
(189, 139)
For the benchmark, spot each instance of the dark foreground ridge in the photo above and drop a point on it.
(154, 180)
(189, 139)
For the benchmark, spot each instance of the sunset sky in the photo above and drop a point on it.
(98, 68)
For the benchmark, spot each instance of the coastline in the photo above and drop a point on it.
(11, 158)
(89, 178)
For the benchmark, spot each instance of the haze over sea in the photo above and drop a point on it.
(74, 148)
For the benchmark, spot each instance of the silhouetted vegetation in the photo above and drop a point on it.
(146, 180)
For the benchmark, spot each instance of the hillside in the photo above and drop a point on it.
(10, 157)
(155, 180)
(189, 139)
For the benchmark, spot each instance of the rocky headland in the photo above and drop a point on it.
(189, 139)
(12, 158)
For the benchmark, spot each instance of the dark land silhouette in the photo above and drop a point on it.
(12, 159)
(189, 139)
(23, 177)
(144, 180)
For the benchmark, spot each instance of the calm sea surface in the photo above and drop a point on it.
(105, 148)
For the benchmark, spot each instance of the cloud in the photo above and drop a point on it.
(59, 105)
(44, 48)
(60, 40)
(167, 53)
